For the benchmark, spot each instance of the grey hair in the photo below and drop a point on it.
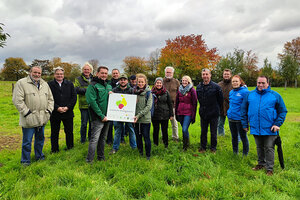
(37, 66)
(170, 67)
(89, 65)
(58, 68)
(206, 70)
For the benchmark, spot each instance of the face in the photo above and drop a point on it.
(86, 70)
(115, 74)
(59, 75)
(158, 84)
(226, 75)
(102, 74)
(235, 82)
(133, 82)
(206, 76)
(169, 73)
(262, 83)
(141, 82)
(184, 82)
(36, 73)
(123, 82)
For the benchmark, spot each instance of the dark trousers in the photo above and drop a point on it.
(84, 120)
(68, 128)
(109, 138)
(213, 133)
(164, 130)
(237, 130)
(265, 150)
(143, 131)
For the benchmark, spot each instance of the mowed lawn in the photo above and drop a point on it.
(170, 174)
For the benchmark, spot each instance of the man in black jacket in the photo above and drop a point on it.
(210, 97)
(64, 101)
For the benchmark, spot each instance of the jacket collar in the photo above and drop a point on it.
(263, 91)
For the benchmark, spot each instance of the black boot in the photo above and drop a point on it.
(185, 143)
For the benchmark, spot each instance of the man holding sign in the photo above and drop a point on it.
(123, 88)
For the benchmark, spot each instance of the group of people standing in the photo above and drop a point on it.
(168, 99)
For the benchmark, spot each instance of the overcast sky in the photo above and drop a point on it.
(77, 31)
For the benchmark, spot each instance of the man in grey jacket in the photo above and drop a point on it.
(34, 101)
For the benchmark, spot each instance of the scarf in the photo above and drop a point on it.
(186, 89)
(138, 90)
(159, 92)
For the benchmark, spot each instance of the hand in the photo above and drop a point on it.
(65, 109)
(171, 118)
(110, 92)
(135, 119)
(60, 109)
(104, 119)
(246, 129)
(275, 128)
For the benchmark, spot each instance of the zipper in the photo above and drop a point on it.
(259, 114)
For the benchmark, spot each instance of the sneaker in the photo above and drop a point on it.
(269, 173)
(258, 167)
(112, 151)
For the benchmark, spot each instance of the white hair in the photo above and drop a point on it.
(170, 67)
(89, 65)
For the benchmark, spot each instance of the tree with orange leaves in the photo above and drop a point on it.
(188, 55)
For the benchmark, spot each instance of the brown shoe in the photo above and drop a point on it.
(213, 151)
(258, 167)
(269, 173)
(202, 150)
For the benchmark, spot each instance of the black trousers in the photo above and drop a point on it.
(68, 128)
(213, 133)
(164, 130)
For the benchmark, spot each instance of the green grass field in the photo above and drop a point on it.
(170, 174)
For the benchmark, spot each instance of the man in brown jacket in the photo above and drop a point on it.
(226, 86)
(172, 85)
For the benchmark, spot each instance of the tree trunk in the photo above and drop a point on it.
(296, 83)
(285, 83)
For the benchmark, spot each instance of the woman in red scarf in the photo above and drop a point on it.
(163, 111)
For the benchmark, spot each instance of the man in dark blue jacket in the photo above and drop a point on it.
(210, 97)
(65, 98)
(265, 111)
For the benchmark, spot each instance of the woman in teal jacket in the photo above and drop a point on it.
(142, 117)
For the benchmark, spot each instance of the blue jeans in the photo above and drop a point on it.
(119, 128)
(221, 123)
(237, 130)
(143, 130)
(38, 143)
(84, 120)
(185, 122)
(98, 135)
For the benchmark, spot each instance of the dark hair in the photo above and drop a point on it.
(263, 76)
(241, 80)
(102, 67)
(227, 70)
(116, 69)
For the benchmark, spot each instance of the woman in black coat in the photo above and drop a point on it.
(163, 111)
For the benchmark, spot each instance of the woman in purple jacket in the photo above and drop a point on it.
(185, 107)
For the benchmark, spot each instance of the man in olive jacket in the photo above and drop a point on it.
(81, 84)
(97, 98)
(34, 101)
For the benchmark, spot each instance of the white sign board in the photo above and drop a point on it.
(121, 107)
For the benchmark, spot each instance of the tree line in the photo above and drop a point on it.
(188, 54)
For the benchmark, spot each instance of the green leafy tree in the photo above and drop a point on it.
(14, 69)
(47, 69)
(3, 36)
(289, 69)
(134, 65)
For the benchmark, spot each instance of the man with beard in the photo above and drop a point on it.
(34, 101)
(172, 85)
(226, 86)
(123, 88)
